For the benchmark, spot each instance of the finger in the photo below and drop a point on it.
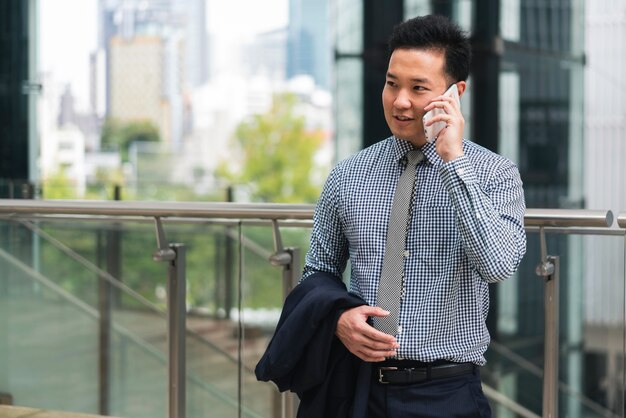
(373, 355)
(375, 336)
(374, 311)
(379, 345)
(440, 118)
(446, 105)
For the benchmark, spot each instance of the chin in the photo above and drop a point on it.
(409, 138)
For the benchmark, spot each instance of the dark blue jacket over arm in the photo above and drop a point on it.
(306, 357)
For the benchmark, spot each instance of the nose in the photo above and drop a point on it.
(402, 100)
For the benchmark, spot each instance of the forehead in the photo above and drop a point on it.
(413, 63)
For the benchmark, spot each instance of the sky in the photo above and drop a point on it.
(68, 33)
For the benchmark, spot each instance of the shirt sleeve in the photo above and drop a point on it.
(489, 216)
(328, 251)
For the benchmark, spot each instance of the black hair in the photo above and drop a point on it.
(438, 33)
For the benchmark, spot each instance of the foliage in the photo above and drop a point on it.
(120, 135)
(205, 262)
(58, 186)
(276, 151)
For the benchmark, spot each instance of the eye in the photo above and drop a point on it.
(419, 88)
(391, 83)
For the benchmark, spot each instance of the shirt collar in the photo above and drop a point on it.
(401, 147)
(431, 154)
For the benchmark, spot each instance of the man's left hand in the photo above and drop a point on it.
(449, 143)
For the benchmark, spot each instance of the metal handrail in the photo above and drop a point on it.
(568, 217)
(621, 220)
(226, 210)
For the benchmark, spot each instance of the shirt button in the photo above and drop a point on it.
(407, 253)
(399, 329)
(460, 171)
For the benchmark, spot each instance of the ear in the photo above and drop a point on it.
(461, 86)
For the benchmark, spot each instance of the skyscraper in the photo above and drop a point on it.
(171, 36)
(308, 40)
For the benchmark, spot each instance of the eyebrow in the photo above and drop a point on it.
(415, 80)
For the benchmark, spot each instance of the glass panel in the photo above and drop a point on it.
(462, 14)
(605, 106)
(591, 329)
(550, 25)
(349, 103)
(138, 373)
(48, 343)
(510, 18)
(414, 8)
(509, 106)
(138, 365)
(349, 26)
(262, 300)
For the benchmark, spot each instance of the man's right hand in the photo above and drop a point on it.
(363, 340)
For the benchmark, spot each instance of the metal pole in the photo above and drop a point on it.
(104, 307)
(551, 346)
(229, 257)
(289, 259)
(292, 271)
(174, 254)
(176, 326)
(229, 260)
(114, 253)
(291, 276)
(549, 270)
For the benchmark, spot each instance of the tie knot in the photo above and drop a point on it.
(414, 157)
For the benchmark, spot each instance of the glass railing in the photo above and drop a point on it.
(85, 324)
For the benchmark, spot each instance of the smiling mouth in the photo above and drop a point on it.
(403, 118)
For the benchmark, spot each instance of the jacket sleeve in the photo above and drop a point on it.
(296, 356)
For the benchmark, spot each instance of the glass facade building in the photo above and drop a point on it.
(19, 85)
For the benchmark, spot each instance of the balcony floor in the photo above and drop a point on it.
(19, 412)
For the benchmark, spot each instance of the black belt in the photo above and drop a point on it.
(404, 375)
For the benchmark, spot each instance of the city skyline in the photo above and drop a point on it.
(64, 57)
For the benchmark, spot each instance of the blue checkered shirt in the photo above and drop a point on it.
(466, 230)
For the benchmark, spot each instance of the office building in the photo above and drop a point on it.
(308, 40)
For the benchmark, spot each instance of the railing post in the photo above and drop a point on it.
(291, 271)
(104, 308)
(289, 259)
(176, 321)
(549, 270)
(291, 276)
(176, 326)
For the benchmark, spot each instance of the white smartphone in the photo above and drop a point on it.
(431, 132)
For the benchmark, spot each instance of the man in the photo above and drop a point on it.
(464, 229)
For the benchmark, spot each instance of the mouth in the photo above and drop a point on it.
(402, 118)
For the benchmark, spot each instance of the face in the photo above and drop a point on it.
(414, 78)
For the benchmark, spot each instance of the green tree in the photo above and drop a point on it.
(58, 186)
(276, 151)
(120, 135)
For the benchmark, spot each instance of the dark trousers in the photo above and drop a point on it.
(453, 397)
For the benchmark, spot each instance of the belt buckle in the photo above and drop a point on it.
(380, 374)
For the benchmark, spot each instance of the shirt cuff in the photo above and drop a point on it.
(457, 172)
